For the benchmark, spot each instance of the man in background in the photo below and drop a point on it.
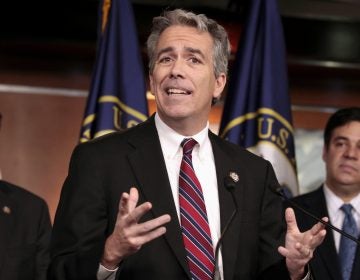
(338, 198)
(25, 230)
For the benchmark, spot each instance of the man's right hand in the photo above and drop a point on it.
(129, 235)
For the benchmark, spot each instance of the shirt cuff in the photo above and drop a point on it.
(308, 274)
(104, 273)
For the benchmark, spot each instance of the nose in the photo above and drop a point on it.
(177, 69)
(352, 151)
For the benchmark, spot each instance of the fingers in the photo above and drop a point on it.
(128, 212)
(318, 227)
(150, 225)
(128, 201)
(137, 235)
(152, 229)
(135, 215)
(300, 252)
(129, 235)
(129, 215)
(283, 251)
(123, 204)
(291, 220)
(133, 199)
(317, 233)
(315, 236)
(300, 246)
(304, 251)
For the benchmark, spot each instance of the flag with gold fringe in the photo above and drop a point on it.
(257, 109)
(117, 96)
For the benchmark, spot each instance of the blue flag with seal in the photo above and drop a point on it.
(117, 97)
(257, 109)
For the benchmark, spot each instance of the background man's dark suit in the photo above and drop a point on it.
(324, 265)
(25, 230)
(102, 169)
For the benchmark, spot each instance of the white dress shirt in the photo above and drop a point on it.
(336, 215)
(204, 166)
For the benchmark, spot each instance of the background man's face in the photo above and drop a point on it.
(342, 156)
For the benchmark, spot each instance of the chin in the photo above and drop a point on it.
(177, 114)
(348, 180)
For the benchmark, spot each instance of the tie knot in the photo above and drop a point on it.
(346, 208)
(188, 145)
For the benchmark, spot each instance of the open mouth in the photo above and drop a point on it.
(177, 91)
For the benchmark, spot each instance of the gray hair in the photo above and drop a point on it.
(200, 22)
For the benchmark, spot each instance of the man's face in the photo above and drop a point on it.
(342, 158)
(183, 80)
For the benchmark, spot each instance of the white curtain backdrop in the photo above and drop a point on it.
(308, 153)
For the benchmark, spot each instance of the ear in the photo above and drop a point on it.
(151, 84)
(324, 153)
(220, 83)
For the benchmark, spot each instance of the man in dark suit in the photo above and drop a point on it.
(341, 154)
(25, 230)
(121, 212)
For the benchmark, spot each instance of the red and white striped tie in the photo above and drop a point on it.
(193, 217)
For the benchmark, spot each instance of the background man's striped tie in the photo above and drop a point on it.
(194, 221)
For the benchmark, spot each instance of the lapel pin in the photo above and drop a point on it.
(234, 176)
(6, 210)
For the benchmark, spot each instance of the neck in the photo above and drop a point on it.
(185, 126)
(345, 192)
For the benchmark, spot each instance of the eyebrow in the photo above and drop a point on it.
(166, 50)
(187, 49)
(196, 51)
(340, 137)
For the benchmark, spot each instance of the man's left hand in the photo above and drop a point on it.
(300, 246)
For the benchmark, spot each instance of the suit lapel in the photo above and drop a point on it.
(328, 254)
(7, 208)
(355, 274)
(224, 165)
(327, 251)
(150, 170)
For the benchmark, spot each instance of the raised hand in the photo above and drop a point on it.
(300, 246)
(129, 235)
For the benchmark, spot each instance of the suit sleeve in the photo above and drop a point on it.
(273, 230)
(80, 224)
(43, 242)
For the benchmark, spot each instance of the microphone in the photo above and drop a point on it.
(230, 183)
(277, 189)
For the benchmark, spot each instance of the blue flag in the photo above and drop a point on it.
(117, 97)
(257, 110)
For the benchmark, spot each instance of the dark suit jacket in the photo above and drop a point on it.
(25, 230)
(100, 170)
(324, 265)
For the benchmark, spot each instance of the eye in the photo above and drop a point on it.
(164, 60)
(195, 60)
(340, 144)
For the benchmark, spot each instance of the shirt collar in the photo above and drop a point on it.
(170, 140)
(335, 202)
